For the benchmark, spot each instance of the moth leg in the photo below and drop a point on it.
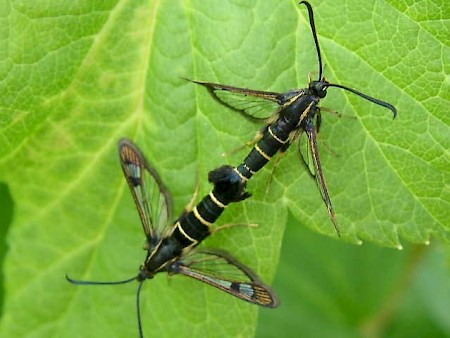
(292, 137)
(304, 160)
(337, 113)
(332, 111)
(328, 148)
(311, 75)
(251, 143)
(231, 225)
(274, 167)
(192, 203)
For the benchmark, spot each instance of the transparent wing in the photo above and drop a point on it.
(304, 149)
(315, 168)
(219, 269)
(255, 104)
(152, 198)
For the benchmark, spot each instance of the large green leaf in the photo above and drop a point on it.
(78, 76)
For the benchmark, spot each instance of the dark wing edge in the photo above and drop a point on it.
(318, 175)
(238, 99)
(134, 166)
(271, 96)
(248, 287)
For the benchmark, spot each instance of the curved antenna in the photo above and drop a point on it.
(367, 97)
(88, 282)
(313, 30)
(138, 305)
(316, 41)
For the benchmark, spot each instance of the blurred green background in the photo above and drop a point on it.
(332, 289)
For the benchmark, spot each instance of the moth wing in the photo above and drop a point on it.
(254, 104)
(314, 166)
(152, 198)
(221, 270)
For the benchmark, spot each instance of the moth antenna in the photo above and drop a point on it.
(367, 97)
(138, 306)
(313, 30)
(88, 282)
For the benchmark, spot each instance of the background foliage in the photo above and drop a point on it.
(75, 77)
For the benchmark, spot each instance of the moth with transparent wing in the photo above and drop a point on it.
(171, 246)
(296, 112)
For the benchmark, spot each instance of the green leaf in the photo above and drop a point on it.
(76, 77)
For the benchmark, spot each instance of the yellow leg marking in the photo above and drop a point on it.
(263, 154)
(200, 218)
(335, 112)
(258, 136)
(194, 196)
